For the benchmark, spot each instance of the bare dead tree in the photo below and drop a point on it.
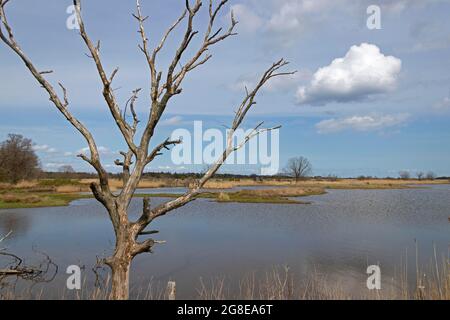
(431, 175)
(163, 87)
(420, 175)
(404, 175)
(298, 168)
(67, 168)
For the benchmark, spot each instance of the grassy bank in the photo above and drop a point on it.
(36, 200)
(281, 195)
(60, 192)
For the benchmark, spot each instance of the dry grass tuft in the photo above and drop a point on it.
(19, 198)
(223, 197)
(275, 284)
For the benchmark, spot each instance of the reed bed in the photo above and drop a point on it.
(275, 284)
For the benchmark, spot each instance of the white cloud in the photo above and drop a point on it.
(101, 150)
(294, 14)
(249, 21)
(397, 6)
(361, 123)
(44, 148)
(53, 165)
(428, 35)
(287, 19)
(83, 151)
(443, 105)
(364, 71)
(173, 121)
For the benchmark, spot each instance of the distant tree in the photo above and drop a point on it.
(420, 175)
(431, 175)
(66, 169)
(405, 175)
(332, 177)
(298, 168)
(18, 161)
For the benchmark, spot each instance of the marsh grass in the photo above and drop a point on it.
(275, 196)
(277, 283)
(60, 192)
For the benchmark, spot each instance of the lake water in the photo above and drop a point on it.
(339, 234)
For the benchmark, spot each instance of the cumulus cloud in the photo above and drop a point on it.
(172, 121)
(55, 165)
(443, 105)
(249, 21)
(101, 150)
(361, 123)
(286, 20)
(429, 35)
(44, 148)
(293, 14)
(364, 71)
(397, 6)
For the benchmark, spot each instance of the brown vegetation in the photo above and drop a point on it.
(275, 284)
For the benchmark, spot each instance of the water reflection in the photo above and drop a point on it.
(16, 221)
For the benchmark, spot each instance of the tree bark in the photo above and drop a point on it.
(120, 263)
(120, 280)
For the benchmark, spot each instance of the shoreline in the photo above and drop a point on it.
(59, 195)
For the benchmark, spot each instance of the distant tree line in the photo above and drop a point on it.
(420, 175)
(18, 161)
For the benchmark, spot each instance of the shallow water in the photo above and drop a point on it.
(339, 234)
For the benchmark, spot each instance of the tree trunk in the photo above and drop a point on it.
(120, 264)
(120, 280)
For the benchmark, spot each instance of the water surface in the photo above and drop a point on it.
(339, 234)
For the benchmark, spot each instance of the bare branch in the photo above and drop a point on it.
(245, 106)
(6, 236)
(10, 41)
(111, 78)
(45, 271)
(131, 103)
(166, 35)
(144, 47)
(165, 145)
(108, 92)
(173, 82)
(66, 99)
(145, 233)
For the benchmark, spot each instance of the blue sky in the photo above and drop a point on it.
(370, 102)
